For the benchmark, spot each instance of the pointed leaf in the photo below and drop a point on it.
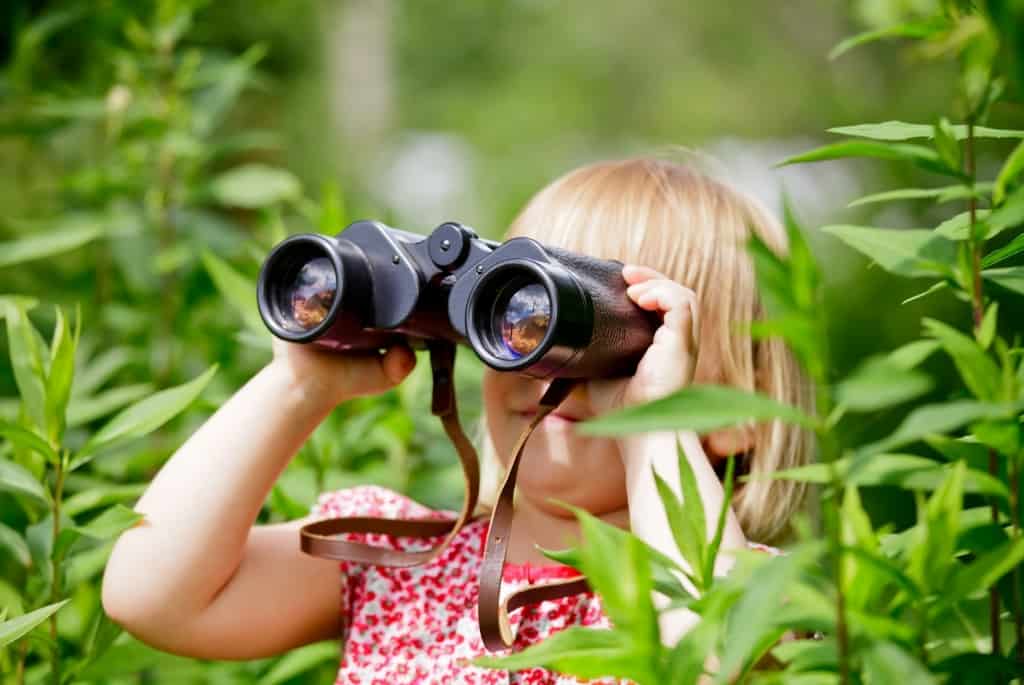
(149, 414)
(978, 370)
(910, 252)
(942, 194)
(238, 290)
(27, 361)
(59, 378)
(583, 652)
(15, 478)
(26, 439)
(253, 186)
(935, 418)
(110, 523)
(11, 540)
(920, 155)
(1010, 249)
(301, 660)
(1009, 215)
(886, 663)
(700, 408)
(878, 383)
(1012, 168)
(906, 30)
(912, 354)
(983, 572)
(74, 233)
(1011, 277)
(901, 130)
(15, 628)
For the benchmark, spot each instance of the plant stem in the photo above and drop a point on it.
(976, 246)
(1018, 624)
(55, 562)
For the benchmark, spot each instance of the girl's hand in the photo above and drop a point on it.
(329, 377)
(669, 363)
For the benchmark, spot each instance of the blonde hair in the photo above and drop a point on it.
(694, 229)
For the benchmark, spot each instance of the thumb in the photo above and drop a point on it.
(397, 363)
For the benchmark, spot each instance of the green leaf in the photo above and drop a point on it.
(146, 416)
(27, 361)
(1002, 435)
(904, 252)
(935, 418)
(583, 652)
(933, 288)
(987, 330)
(104, 495)
(73, 233)
(12, 541)
(1010, 249)
(700, 408)
(906, 30)
(901, 130)
(878, 383)
(885, 663)
(716, 541)
(110, 523)
(60, 375)
(253, 186)
(906, 471)
(301, 660)
(15, 478)
(15, 628)
(84, 409)
(1012, 168)
(941, 194)
(946, 144)
(755, 613)
(959, 227)
(26, 439)
(1011, 277)
(978, 370)
(912, 354)
(1009, 215)
(983, 572)
(920, 155)
(238, 290)
(686, 518)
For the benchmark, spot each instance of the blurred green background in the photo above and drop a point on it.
(152, 152)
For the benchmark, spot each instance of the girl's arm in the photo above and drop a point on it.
(196, 577)
(649, 521)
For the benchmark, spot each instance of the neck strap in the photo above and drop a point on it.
(318, 538)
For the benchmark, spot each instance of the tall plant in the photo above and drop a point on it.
(927, 604)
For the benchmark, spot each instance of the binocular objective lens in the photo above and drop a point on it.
(309, 296)
(523, 321)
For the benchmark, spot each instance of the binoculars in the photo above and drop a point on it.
(521, 306)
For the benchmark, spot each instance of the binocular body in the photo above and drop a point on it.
(521, 306)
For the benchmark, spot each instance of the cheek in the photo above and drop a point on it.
(502, 423)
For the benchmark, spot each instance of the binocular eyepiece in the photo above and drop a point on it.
(521, 306)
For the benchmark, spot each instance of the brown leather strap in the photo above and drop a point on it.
(493, 613)
(318, 538)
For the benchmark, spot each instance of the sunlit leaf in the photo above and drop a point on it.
(15, 478)
(60, 375)
(912, 354)
(26, 352)
(253, 186)
(878, 383)
(904, 30)
(920, 155)
(110, 523)
(905, 252)
(1011, 277)
(12, 541)
(301, 660)
(1009, 172)
(71, 234)
(1009, 215)
(935, 418)
(239, 291)
(82, 410)
(885, 662)
(26, 439)
(901, 130)
(1010, 249)
(977, 369)
(12, 629)
(583, 652)
(941, 194)
(906, 471)
(978, 575)
(146, 416)
(700, 408)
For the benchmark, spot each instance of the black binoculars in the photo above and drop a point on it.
(522, 306)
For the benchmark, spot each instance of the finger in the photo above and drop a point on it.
(397, 362)
(634, 273)
(678, 304)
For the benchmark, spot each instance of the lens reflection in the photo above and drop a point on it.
(309, 296)
(523, 321)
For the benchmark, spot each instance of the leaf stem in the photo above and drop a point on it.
(55, 562)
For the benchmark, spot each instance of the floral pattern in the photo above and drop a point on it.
(419, 625)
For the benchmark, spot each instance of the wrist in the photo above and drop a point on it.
(302, 391)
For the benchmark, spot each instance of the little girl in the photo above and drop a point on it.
(198, 578)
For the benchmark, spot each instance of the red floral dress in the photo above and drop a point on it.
(419, 624)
